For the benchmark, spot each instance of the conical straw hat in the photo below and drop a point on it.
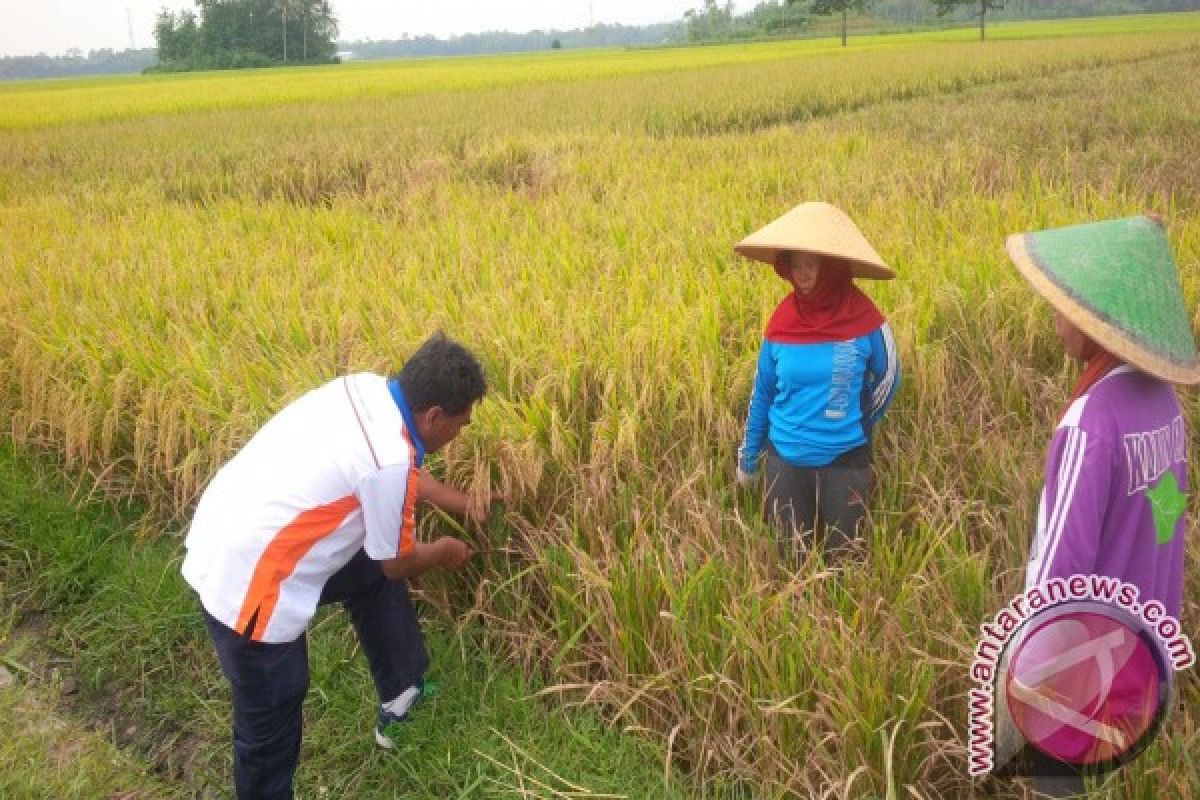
(1116, 281)
(820, 229)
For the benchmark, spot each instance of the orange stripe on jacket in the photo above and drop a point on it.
(285, 551)
(409, 526)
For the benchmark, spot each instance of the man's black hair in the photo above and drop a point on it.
(442, 373)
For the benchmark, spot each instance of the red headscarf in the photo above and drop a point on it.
(834, 310)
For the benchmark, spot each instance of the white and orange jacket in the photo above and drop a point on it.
(334, 472)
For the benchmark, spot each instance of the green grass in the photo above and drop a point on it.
(44, 754)
(123, 626)
(45, 751)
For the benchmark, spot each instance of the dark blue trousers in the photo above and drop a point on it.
(268, 681)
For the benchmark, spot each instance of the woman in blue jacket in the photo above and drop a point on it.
(827, 372)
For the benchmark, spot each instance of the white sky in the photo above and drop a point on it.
(54, 26)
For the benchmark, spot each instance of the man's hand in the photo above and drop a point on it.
(742, 477)
(446, 552)
(454, 553)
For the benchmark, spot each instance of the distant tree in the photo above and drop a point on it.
(944, 7)
(556, 44)
(306, 7)
(788, 19)
(177, 35)
(316, 14)
(772, 17)
(843, 7)
(246, 33)
(283, 7)
(319, 30)
(713, 22)
(164, 34)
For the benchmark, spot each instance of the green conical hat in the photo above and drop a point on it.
(1116, 281)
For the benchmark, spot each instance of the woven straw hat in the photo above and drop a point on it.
(1116, 281)
(823, 230)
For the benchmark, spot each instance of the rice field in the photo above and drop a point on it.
(183, 255)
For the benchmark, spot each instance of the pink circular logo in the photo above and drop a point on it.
(1085, 688)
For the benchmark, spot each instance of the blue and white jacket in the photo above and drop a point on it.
(817, 401)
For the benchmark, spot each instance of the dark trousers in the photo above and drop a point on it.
(268, 681)
(1049, 779)
(818, 506)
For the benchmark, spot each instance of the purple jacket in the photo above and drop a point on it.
(1115, 496)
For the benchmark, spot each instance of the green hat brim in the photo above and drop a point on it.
(1106, 329)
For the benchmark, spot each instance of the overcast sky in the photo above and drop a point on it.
(53, 26)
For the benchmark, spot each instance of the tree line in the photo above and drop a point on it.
(75, 63)
(716, 20)
(505, 42)
(230, 34)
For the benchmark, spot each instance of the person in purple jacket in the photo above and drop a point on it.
(827, 371)
(1116, 482)
(1117, 471)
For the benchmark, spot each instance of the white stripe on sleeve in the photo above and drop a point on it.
(884, 387)
(1068, 478)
